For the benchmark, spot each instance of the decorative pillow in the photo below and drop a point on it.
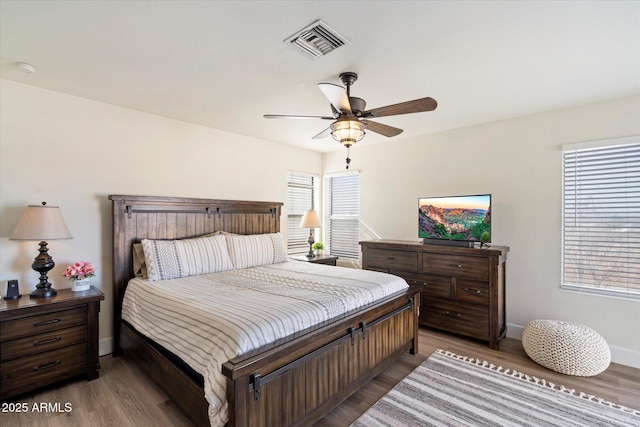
(256, 249)
(139, 265)
(170, 259)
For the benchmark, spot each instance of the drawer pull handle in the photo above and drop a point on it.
(48, 365)
(37, 343)
(451, 314)
(472, 291)
(48, 322)
(454, 265)
(390, 258)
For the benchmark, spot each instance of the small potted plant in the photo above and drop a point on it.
(318, 247)
(78, 274)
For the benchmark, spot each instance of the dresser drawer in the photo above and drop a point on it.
(46, 322)
(472, 291)
(21, 375)
(42, 342)
(393, 260)
(432, 286)
(456, 265)
(461, 318)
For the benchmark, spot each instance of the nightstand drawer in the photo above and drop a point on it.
(25, 374)
(42, 342)
(393, 260)
(457, 266)
(43, 323)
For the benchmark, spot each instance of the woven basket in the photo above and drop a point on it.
(568, 348)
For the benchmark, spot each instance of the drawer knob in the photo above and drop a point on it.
(47, 322)
(416, 282)
(390, 258)
(452, 314)
(454, 265)
(472, 291)
(37, 343)
(48, 365)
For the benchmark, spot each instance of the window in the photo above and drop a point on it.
(343, 215)
(601, 218)
(302, 194)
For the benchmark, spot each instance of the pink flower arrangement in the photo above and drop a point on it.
(80, 270)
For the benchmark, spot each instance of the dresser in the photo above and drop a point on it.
(463, 289)
(46, 340)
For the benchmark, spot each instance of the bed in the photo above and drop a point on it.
(293, 380)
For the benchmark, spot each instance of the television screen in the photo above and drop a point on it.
(465, 218)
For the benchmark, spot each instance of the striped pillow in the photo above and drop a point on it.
(170, 259)
(256, 249)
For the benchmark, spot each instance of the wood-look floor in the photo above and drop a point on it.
(125, 397)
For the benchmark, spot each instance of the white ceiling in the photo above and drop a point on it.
(224, 64)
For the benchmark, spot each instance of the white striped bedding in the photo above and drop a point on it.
(209, 319)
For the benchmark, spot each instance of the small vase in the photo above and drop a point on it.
(80, 285)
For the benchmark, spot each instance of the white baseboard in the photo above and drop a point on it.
(624, 356)
(105, 346)
(514, 331)
(620, 355)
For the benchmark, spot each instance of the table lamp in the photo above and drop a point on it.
(310, 220)
(42, 223)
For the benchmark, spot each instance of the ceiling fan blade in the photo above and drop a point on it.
(385, 130)
(325, 133)
(337, 95)
(285, 116)
(415, 106)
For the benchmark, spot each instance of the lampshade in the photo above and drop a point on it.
(41, 223)
(310, 219)
(347, 131)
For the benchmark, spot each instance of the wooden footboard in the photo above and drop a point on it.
(297, 383)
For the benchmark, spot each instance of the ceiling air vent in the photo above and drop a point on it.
(316, 40)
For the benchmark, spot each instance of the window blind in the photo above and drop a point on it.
(343, 215)
(601, 220)
(301, 197)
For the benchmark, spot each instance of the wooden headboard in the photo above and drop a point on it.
(149, 217)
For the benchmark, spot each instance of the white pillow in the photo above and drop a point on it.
(170, 259)
(256, 249)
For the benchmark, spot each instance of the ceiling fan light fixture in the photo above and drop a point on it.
(347, 131)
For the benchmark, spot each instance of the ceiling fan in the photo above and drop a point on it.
(350, 117)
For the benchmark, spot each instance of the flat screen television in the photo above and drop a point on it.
(455, 220)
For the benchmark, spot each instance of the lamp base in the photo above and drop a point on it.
(311, 241)
(43, 263)
(43, 293)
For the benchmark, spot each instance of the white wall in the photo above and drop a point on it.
(519, 162)
(73, 153)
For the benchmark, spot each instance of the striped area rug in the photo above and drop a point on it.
(451, 390)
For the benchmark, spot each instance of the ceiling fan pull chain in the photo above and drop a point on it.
(348, 154)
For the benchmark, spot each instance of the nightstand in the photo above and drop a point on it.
(318, 259)
(43, 341)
